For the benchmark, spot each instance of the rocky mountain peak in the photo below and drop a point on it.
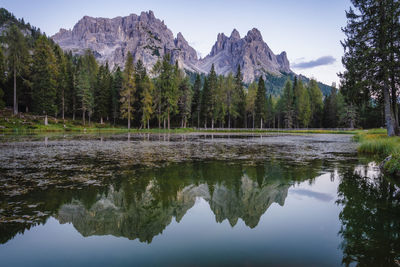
(149, 39)
(235, 34)
(254, 35)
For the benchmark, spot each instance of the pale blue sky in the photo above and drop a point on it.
(306, 29)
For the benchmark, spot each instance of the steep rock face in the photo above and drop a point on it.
(251, 53)
(148, 39)
(145, 36)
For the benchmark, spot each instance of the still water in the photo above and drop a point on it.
(123, 200)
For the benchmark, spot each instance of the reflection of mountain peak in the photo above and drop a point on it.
(249, 203)
(148, 216)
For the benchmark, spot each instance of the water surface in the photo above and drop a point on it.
(102, 200)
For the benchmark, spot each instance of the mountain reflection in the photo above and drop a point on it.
(141, 203)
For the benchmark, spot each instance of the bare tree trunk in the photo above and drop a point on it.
(253, 121)
(168, 120)
(15, 92)
(229, 120)
(101, 120)
(148, 124)
(63, 106)
(129, 120)
(198, 119)
(261, 123)
(212, 123)
(45, 120)
(388, 112)
(83, 116)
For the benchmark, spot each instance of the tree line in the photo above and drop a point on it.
(38, 76)
(371, 59)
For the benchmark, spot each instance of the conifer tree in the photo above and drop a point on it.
(206, 102)
(115, 93)
(212, 87)
(260, 103)
(17, 57)
(44, 78)
(103, 92)
(240, 98)
(128, 90)
(147, 101)
(61, 79)
(316, 103)
(196, 101)
(288, 105)
(250, 102)
(185, 101)
(2, 78)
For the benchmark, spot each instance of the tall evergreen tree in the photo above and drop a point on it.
(128, 90)
(116, 93)
(288, 105)
(240, 98)
(316, 103)
(45, 76)
(147, 101)
(185, 101)
(260, 103)
(17, 57)
(2, 78)
(372, 52)
(61, 79)
(206, 102)
(250, 102)
(196, 101)
(103, 92)
(212, 87)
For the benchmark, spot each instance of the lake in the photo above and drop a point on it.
(194, 199)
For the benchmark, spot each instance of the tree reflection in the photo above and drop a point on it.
(139, 203)
(370, 219)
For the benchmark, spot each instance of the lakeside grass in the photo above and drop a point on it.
(375, 142)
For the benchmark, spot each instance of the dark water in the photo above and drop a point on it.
(119, 200)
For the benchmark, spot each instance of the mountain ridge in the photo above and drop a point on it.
(148, 39)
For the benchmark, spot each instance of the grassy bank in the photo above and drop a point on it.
(30, 123)
(376, 143)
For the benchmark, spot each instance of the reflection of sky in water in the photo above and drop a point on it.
(302, 232)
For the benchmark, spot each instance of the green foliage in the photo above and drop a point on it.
(45, 74)
(260, 102)
(196, 101)
(128, 90)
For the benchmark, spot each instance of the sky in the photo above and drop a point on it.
(308, 30)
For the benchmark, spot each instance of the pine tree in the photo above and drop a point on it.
(260, 102)
(250, 102)
(61, 79)
(115, 93)
(196, 101)
(230, 98)
(240, 98)
(316, 103)
(147, 101)
(17, 56)
(103, 92)
(140, 74)
(301, 105)
(288, 105)
(212, 87)
(371, 55)
(206, 102)
(2, 78)
(185, 101)
(128, 90)
(44, 78)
